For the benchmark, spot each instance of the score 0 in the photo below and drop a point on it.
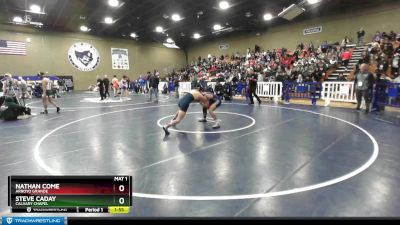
(122, 187)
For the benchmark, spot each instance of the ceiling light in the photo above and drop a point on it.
(224, 5)
(133, 35)
(248, 14)
(169, 40)
(159, 29)
(217, 27)
(196, 36)
(84, 28)
(268, 17)
(312, 1)
(171, 45)
(113, 3)
(108, 20)
(17, 19)
(176, 17)
(35, 8)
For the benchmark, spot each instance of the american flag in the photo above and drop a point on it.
(12, 48)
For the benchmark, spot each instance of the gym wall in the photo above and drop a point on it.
(48, 52)
(383, 16)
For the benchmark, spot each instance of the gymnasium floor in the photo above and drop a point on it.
(265, 161)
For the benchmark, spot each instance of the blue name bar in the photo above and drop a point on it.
(32, 220)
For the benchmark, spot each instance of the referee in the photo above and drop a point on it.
(252, 86)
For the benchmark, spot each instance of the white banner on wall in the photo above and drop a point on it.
(120, 59)
(224, 46)
(312, 30)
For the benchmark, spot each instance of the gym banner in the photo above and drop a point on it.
(224, 46)
(312, 30)
(120, 59)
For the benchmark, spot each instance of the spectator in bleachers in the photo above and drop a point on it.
(377, 37)
(392, 36)
(383, 63)
(346, 56)
(341, 77)
(299, 79)
(397, 80)
(219, 89)
(395, 65)
(324, 47)
(360, 37)
(345, 42)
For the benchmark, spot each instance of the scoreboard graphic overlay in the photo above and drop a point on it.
(70, 194)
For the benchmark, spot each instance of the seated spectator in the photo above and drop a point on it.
(387, 48)
(345, 42)
(299, 79)
(392, 36)
(395, 64)
(377, 37)
(341, 77)
(383, 64)
(324, 47)
(346, 56)
(397, 80)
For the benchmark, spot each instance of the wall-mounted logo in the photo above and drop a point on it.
(224, 46)
(9, 220)
(84, 56)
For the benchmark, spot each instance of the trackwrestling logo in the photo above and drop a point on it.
(32, 220)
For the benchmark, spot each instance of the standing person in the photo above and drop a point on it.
(61, 83)
(115, 85)
(47, 93)
(106, 82)
(56, 89)
(23, 90)
(124, 87)
(154, 81)
(253, 86)
(29, 88)
(364, 83)
(142, 83)
(360, 37)
(176, 84)
(100, 84)
(8, 85)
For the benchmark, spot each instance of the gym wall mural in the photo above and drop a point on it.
(84, 56)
